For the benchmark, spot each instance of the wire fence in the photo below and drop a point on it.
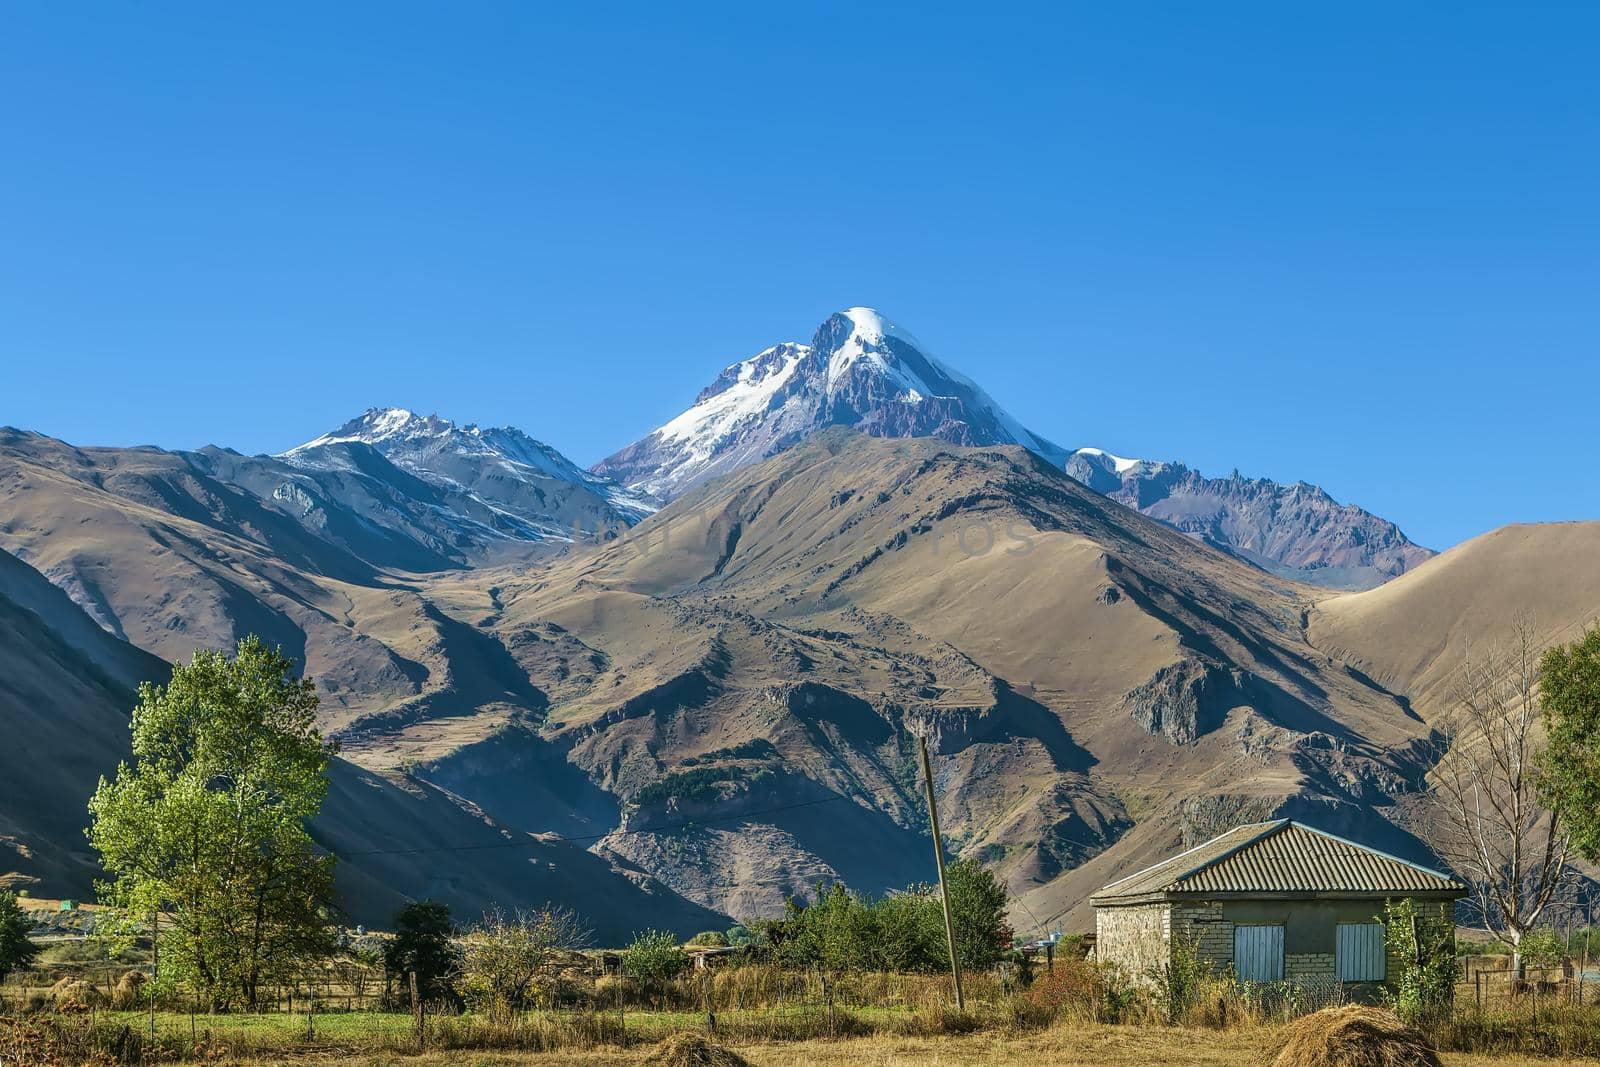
(1489, 983)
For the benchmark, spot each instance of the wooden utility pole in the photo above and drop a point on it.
(944, 886)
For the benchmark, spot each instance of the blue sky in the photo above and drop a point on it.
(1354, 244)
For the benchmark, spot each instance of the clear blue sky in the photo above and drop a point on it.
(1357, 244)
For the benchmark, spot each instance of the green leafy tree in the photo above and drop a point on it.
(978, 903)
(909, 931)
(1570, 691)
(653, 959)
(839, 931)
(1542, 948)
(204, 835)
(424, 945)
(1423, 940)
(709, 939)
(833, 932)
(16, 951)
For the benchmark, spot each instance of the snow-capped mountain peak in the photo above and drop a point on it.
(377, 425)
(867, 342)
(521, 484)
(861, 369)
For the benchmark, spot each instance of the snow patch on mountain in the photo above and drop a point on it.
(1118, 463)
(741, 392)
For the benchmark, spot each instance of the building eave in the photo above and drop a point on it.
(1284, 895)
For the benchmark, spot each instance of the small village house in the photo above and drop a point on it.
(1276, 901)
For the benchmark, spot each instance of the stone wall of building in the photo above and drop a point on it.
(1133, 939)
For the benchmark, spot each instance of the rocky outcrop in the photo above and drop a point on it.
(1184, 700)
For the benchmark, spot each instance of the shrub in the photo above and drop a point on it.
(1177, 982)
(1025, 1013)
(504, 956)
(1541, 949)
(709, 939)
(1424, 941)
(742, 936)
(1085, 991)
(653, 959)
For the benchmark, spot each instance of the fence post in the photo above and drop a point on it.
(417, 1012)
(622, 1012)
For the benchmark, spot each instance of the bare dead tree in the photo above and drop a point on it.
(1510, 850)
(507, 951)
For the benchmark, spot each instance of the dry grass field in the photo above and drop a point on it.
(1066, 1046)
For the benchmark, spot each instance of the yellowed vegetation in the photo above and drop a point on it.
(1066, 1046)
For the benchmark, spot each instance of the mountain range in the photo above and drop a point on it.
(1296, 530)
(685, 684)
(863, 371)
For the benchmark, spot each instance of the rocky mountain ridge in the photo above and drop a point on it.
(1298, 530)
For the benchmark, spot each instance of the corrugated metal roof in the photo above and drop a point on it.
(1278, 857)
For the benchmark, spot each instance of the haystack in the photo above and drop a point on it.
(75, 995)
(1355, 1036)
(125, 996)
(692, 1050)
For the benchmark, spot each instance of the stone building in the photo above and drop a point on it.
(1275, 901)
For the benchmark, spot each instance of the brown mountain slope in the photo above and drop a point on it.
(1411, 634)
(761, 651)
(65, 690)
(171, 559)
(64, 705)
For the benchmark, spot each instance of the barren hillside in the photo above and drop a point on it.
(762, 651)
(725, 697)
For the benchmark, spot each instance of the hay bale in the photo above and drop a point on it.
(1355, 1036)
(71, 995)
(127, 994)
(692, 1050)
